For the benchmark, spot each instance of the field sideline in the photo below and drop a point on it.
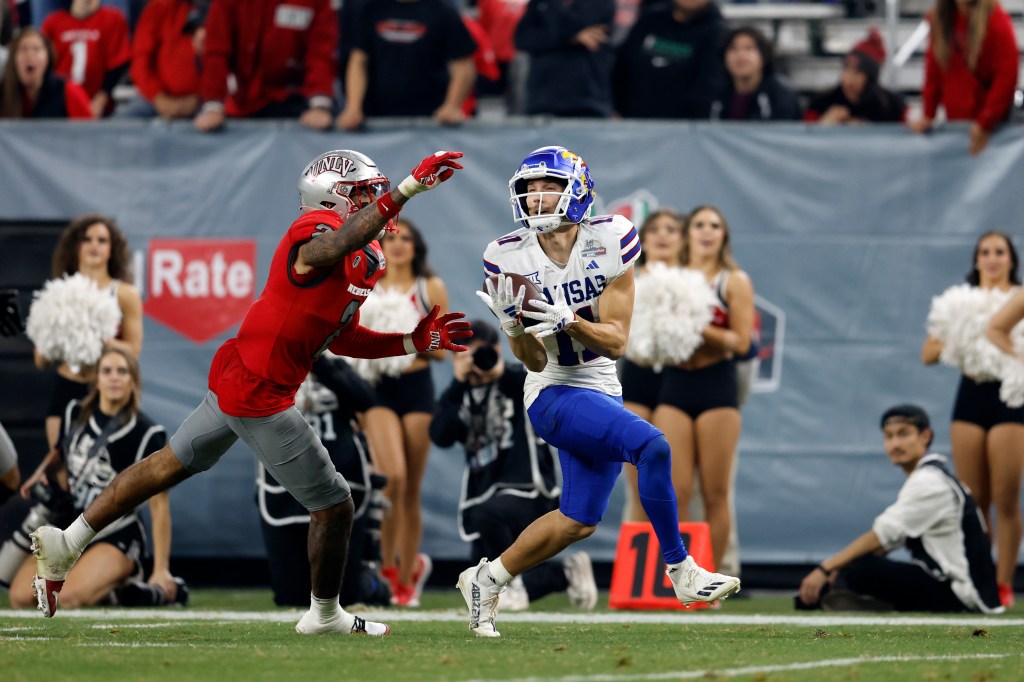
(233, 634)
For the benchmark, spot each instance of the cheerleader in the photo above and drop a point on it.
(397, 428)
(698, 401)
(986, 435)
(94, 246)
(661, 241)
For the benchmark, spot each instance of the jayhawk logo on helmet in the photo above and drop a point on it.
(576, 199)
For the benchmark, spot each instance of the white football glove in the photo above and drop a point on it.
(505, 305)
(553, 318)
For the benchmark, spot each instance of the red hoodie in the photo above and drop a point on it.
(985, 94)
(163, 57)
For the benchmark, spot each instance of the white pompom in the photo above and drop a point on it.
(1011, 391)
(385, 311)
(672, 306)
(958, 317)
(70, 319)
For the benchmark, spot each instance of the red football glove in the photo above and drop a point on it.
(431, 172)
(435, 332)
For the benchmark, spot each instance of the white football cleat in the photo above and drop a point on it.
(482, 601)
(515, 597)
(694, 584)
(53, 563)
(582, 590)
(310, 625)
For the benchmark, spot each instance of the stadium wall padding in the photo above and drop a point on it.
(848, 232)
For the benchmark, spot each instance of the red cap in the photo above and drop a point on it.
(872, 47)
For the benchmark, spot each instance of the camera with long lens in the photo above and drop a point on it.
(485, 358)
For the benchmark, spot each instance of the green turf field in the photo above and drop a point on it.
(238, 635)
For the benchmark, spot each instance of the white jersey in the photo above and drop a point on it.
(605, 249)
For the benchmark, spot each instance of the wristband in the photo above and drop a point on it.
(410, 187)
(410, 347)
(387, 206)
(514, 330)
(821, 567)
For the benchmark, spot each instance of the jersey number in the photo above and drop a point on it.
(79, 56)
(568, 356)
(346, 317)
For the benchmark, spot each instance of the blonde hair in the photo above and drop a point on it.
(943, 20)
(725, 258)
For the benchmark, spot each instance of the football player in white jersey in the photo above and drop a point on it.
(584, 267)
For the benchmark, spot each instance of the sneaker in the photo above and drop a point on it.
(847, 600)
(515, 597)
(582, 590)
(424, 566)
(481, 599)
(53, 563)
(181, 596)
(403, 596)
(1006, 597)
(309, 625)
(694, 584)
(390, 573)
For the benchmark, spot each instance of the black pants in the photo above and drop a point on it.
(500, 520)
(906, 586)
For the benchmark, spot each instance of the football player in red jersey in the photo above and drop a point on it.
(322, 270)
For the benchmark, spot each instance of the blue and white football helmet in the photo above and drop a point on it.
(575, 200)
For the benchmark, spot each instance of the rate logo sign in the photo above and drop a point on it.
(200, 288)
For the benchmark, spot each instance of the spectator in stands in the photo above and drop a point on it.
(165, 51)
(91, 44)
(485, 64)
(670, 64)
(329, 400)
(936, 519)
(752, 92)
(987, 436)
(510, 478)
(499, 19)
(103, 435)
(859, 98)
(31, 88)
(570, 56)
(94, 246)
(398, 427)
(408, 58)
(971, 67)
(282, 56)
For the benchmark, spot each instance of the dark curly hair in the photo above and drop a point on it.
(65, 256)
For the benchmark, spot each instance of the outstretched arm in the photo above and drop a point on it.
(359, 230)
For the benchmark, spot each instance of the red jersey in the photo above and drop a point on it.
(163, 56)
(293, 321)
(985, 94)
(88, 48)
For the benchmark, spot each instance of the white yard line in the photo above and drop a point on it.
(169, 615)
(755, 670)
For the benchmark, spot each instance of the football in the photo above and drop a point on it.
(532, 292)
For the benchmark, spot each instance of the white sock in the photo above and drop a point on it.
(495, 573)
(79, 534)
(328, 610)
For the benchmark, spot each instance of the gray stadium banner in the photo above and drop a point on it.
(846, 233)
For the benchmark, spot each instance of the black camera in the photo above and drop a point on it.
(485, 358)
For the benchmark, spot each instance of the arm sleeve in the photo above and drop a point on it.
(213, 83)
(357, 341)
(1005, 58)
(321, 55)
(144, 51)
(447, 427)
(350, 388)
(921, 504)
(116, 46)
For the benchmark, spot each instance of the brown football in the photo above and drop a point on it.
(532, 292)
